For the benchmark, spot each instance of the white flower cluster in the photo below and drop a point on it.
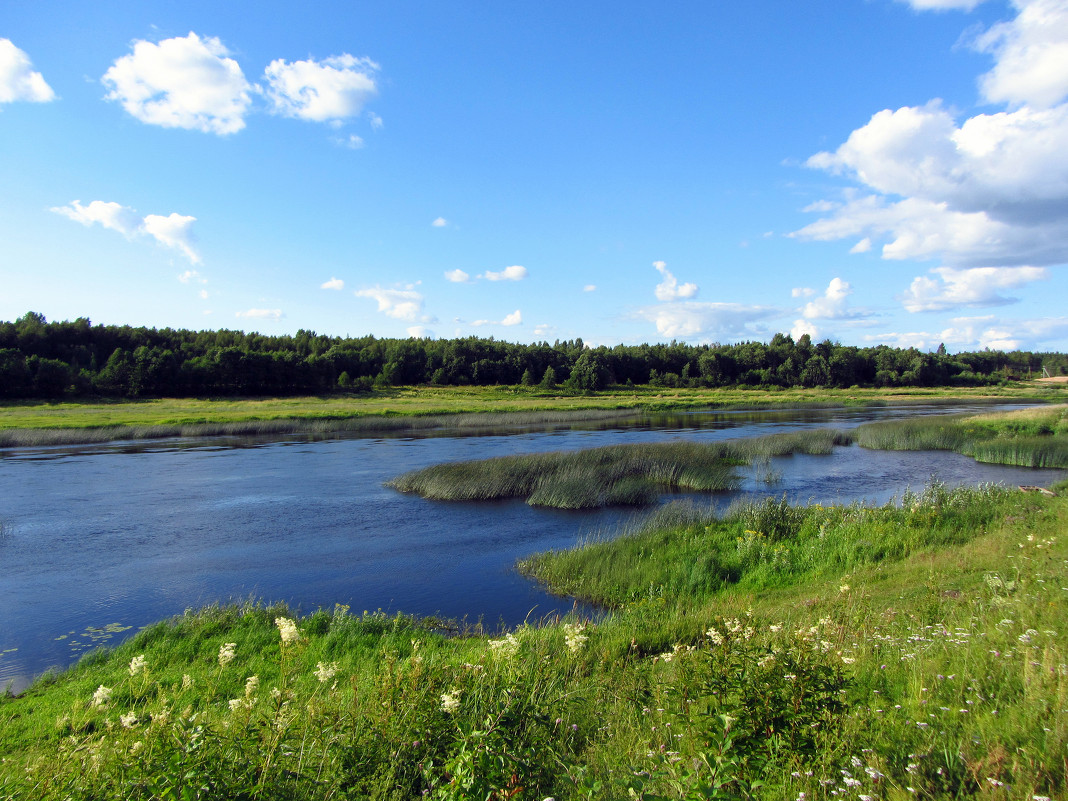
(574, 638)
(288, 629)
(450, 701)
(324, 672)
(506, 646)
(101, 696)
(137, 665)
(226, 653)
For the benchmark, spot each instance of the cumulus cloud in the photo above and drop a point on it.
(185, 82)
(978, 333)
(420, 332)
(352, 141)
(802, 292)
(333, 283)
(802, 327)
(979, 286)
(18, 79)
(401, 304)
(261, 314)
(669, 289)
(590, 288)
(991, 191)
(330, 90)
(457, 276)
(693, 319)
(515, 318)
(513, 273)
(440, 222)
(192, 277)
(173, 231)
(832, 304)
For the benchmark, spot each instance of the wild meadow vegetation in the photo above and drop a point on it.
(915, 650)
(633, 474)
(1027, 438)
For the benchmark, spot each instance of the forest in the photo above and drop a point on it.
(73, 359)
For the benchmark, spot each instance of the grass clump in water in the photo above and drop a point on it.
(1025, 438)
(634, 474)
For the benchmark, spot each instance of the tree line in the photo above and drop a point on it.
(41, 359)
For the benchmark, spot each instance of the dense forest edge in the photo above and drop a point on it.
(54, 360)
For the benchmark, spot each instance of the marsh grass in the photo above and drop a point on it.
(1025, 438)
(934, 668)
(633, 474)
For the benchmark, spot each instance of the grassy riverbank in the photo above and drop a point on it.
(897, 652)
(34, 423)
(1027, 438)
(634, 474)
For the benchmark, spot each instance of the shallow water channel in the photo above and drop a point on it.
(97, 541)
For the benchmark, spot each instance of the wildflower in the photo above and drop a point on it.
(236, 704)
(288, 629)
(506, 646)
(450, 701)
(324, 672)
(251, 683)
(843, 588)
(137, 665)
(226, 653)
(136, 748)
(715, 636)
(775, 628)
(187, 681)
(102, 695)
(573, 636)
(128, 721)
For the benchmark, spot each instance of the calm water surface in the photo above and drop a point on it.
(126, 534)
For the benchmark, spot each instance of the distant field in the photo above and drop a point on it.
(414, 401)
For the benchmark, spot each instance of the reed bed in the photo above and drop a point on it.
(1025, 438)
(616, 475)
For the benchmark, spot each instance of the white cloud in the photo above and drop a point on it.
(988, 331)
(590, 288)
(802, 327)
(978, 286)
(1031, 53)
(863, 246)
(376, 121)
(18, 80)
(203, 294)
(192, 277)
(802, 292)
(669, 289)
(401, 304)
(420, 332)
(543, 330)
(440, 222)
(991, 191)
(515, 318)
(261, 314)
(832, 305)
(694, 319)
(333, 283)
(457, 276)
(173, 231)
(513, 273)
(330, 90)
(352, 141)
(181, 83)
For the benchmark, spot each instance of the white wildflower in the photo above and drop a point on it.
(102, 695)
(128, 721)
(251, 684)
(288, 629)
(137, 665)
(844, 588)
(450, 701)
(573, 636)
(236, 704)
(226, 653)
(715, 636)
(506, 646)
(324, 672)
(187, 681)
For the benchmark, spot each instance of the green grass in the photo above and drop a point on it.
(632, 474)
(912, 651)
(37, 423)
(1026, 438)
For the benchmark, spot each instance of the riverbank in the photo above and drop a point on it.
(823, 659)
(422, 408)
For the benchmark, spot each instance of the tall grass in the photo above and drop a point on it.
(1026, 438)
(939, 675)
(633, 474)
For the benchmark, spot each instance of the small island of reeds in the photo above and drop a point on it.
(629, 475)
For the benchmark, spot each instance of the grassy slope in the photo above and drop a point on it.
(936, 663)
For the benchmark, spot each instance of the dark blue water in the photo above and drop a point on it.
(127, 534)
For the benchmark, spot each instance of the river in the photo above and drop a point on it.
(97, 541)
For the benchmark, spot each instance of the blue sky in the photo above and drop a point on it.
(872, 171)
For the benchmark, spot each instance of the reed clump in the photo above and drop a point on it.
(1024, 438)
(632, 475)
